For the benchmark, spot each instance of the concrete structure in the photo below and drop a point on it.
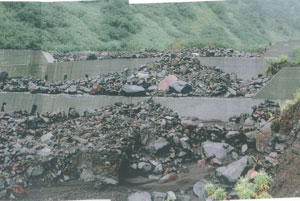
(40, 64)
(282, 86)
(245, 68)
(20, 63)
(203, 108)
(283, 48)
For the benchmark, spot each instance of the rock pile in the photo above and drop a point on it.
(116, 141)
(173, 75)
(149, 53)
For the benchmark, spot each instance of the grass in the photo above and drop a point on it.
(115, 25)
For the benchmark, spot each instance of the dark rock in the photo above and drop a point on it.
(3, 75)
(180, 87)
(233, 171)
(161, 145)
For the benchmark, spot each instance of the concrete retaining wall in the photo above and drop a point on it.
(245, 68)
(22, 62)
(80, 69)
(203, 108)
(282, 86)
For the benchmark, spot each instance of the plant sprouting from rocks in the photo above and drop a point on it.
(219, 194)
(245, 189)
(255, 189)
(262, 180)
(214, 193)
(210, 189)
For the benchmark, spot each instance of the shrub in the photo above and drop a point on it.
(219, 194)
(274, 66)
(262, 180)
(216, 194)
(245, 189)
(256, 189)
(210, 188)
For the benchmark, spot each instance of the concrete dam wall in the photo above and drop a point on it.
(245, 68)
(202, 108)
(40, 64)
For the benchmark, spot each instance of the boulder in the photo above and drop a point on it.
(263, 138)
(133, 90)
(180, 87)
(220, 150)
(233, 171)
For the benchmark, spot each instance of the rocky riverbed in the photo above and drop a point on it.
(174, 75)
(143, 145)
(149, 53)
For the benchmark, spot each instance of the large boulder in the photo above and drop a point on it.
(180, 87)
(234, 170)
(215, 149)
(133, 90)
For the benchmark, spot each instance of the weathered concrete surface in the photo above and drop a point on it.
(80, 69)
(203, 108)
(283, 48)
(22, 62)
(245, 68)
(282, 86)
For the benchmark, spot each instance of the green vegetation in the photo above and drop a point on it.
(115, 25)
(216, 194)
(256, 189)
(289, 103)
(274, 66)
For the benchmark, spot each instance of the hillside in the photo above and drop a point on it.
(115, 25)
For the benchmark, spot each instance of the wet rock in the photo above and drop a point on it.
(233, 171)
(199, 189)
(140, 196)
(219, 150)
(180, 87)
(133, 90)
